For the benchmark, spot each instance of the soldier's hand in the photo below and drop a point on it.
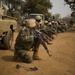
(50, 43)
(49, 53)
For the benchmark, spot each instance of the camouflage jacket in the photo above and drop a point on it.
(25, 39)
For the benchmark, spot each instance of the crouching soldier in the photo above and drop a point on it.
(28, 38)
(24, 42)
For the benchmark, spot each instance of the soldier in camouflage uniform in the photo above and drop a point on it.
(29, 38)
(25, 41)
(41, 26)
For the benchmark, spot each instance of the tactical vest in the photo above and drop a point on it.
(25, 39)
(27, 34)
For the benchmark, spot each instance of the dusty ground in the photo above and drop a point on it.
(62, 61)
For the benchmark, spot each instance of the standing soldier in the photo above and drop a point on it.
(46, 17)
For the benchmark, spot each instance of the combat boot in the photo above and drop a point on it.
(15, 56)
(35, 56)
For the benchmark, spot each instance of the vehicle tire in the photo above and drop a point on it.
(7, 40)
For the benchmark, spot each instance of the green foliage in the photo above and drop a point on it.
(37, 6)
(27, 6)
(18, 16)
(13, 5)
(71, 3)
(40, 9)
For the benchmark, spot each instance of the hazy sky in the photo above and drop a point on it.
(59, 7)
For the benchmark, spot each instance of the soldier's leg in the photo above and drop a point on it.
(24, 56)
(36, 47)
(15, 56)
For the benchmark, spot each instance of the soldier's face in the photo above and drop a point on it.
(38, 20)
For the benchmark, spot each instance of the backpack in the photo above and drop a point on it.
(27, 34)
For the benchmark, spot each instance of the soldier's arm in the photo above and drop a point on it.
(44, 45)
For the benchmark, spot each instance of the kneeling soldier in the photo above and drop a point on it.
(24, 42)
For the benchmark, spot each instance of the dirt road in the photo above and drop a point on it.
(62, 61)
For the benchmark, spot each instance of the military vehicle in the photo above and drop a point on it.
(35, 14)
(7, 26)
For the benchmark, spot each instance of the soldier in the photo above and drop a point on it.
(25, 41)
(39, 22)
(46, 23)
(23, 22)
(29, 38)
(42, 26)
(46, 17)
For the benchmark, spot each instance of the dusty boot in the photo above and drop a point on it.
(35, 56)
(15, 56)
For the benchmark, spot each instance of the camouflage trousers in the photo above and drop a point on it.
(24, 56)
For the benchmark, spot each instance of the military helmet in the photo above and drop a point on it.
(49, 23)
(56, 23)
(31, 23)
(53, 21)
(38, 17)
(46, 22)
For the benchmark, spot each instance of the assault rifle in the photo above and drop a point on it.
(38, 34)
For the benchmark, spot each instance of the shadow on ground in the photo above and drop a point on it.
(10, 59)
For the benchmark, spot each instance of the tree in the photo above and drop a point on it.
(71, 3)
(37, 6)
(27, 6)
(13, 5)
(57, 16)
(30, 6)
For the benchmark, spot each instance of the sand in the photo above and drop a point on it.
(62, 61)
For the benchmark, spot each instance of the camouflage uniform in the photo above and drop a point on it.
(42, 26)
(22, 44)
(28, 38)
